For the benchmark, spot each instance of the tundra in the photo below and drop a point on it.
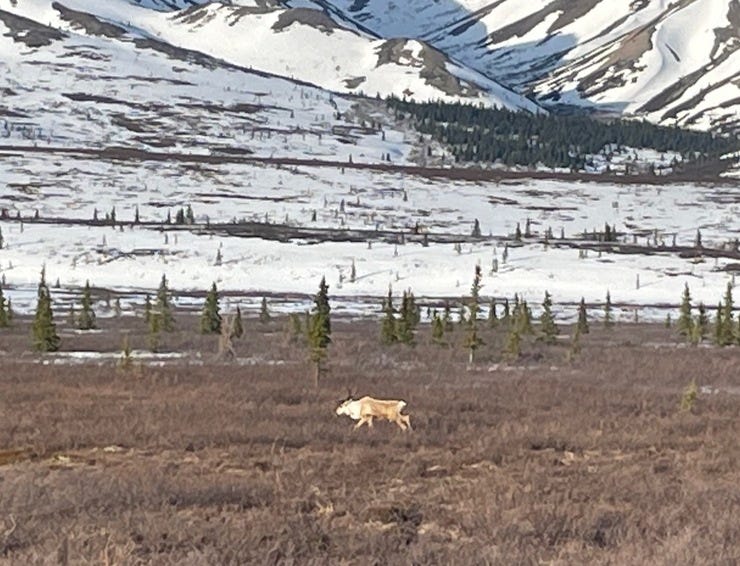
(366, 409)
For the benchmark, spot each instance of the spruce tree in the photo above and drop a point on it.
(513, 349)
(405, 325)
(702, 323)
(319, 331)
(237, 330)
(210, 317)
(522, 317)
(472, 339)
(728, 328)
(10, 310)
(126, 361)
(575, 344)
(2, 242)
(438, 330)
(264, 312)
(388, 330)
(608, 318)
(583, 317)
(86, 318)
(547, 321)
(685, 322)
(718, 325)
(164, 306)
(4, 320)
(147, 308)
(45, 338)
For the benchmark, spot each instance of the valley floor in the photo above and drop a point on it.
(188, 460)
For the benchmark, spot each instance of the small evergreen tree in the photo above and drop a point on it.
(4, 320)
(701, 326)
(405, 325)
(550, 330)
(86, 318)
(583, 317)
(164, 306)
(575, 344)
(728, 328)
(126, 361)
(522, 317)
(264, 312)
(513, 349)
(472, 339)
(45, 338)
(438, 330)
(189, 217)
(685, 322)
(476, 229)
(147, 308)
(237, 330)
(718, 325)
(388, 330)
(210, 317)
(608, 318)
(319, 331)
(2, 241)
(689, 396)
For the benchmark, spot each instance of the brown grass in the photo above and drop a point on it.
(199, 462)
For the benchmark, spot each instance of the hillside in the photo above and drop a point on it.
(341, 59)
(671, 62)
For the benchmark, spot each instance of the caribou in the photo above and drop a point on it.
(366, 409)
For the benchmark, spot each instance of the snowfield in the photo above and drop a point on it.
(136, 94)
(132, 258)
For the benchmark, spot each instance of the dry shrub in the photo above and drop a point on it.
(196, 462)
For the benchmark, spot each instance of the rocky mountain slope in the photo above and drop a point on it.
(301, 43)
(673, 62)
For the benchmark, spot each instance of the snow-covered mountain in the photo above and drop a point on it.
(674, 61)
(302, 43)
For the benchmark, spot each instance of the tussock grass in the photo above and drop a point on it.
(201, 462)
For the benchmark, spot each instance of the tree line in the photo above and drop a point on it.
(476, 133)
(397, 325)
